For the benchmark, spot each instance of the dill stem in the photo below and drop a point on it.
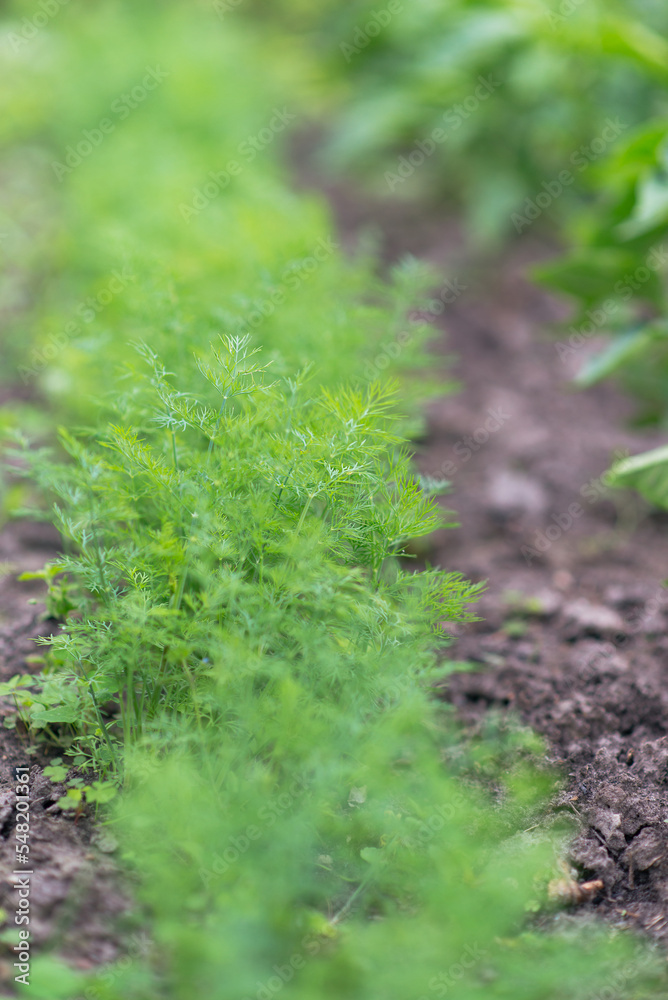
(304, 512)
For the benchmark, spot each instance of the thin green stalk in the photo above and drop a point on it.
(304, 512)
(100, 720)
(338, 917)
(200, 726)
(174, 455)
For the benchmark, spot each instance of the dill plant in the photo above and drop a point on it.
(245, 262)
(244, 637)
(237, 533)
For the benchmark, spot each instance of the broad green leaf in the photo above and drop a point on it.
(619, 352)
(62, 713)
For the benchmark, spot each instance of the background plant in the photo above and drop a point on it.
(257, 257)
(559, 71)
(615, 274)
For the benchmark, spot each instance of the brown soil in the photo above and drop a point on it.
(587, 666)
(574, 636)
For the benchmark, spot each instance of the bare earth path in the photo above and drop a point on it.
(575, 566)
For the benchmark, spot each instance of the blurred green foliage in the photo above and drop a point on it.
(615, 276)
(555, 73)
(616, 273)
(140, 230)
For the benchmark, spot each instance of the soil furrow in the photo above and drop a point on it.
(574, 631)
